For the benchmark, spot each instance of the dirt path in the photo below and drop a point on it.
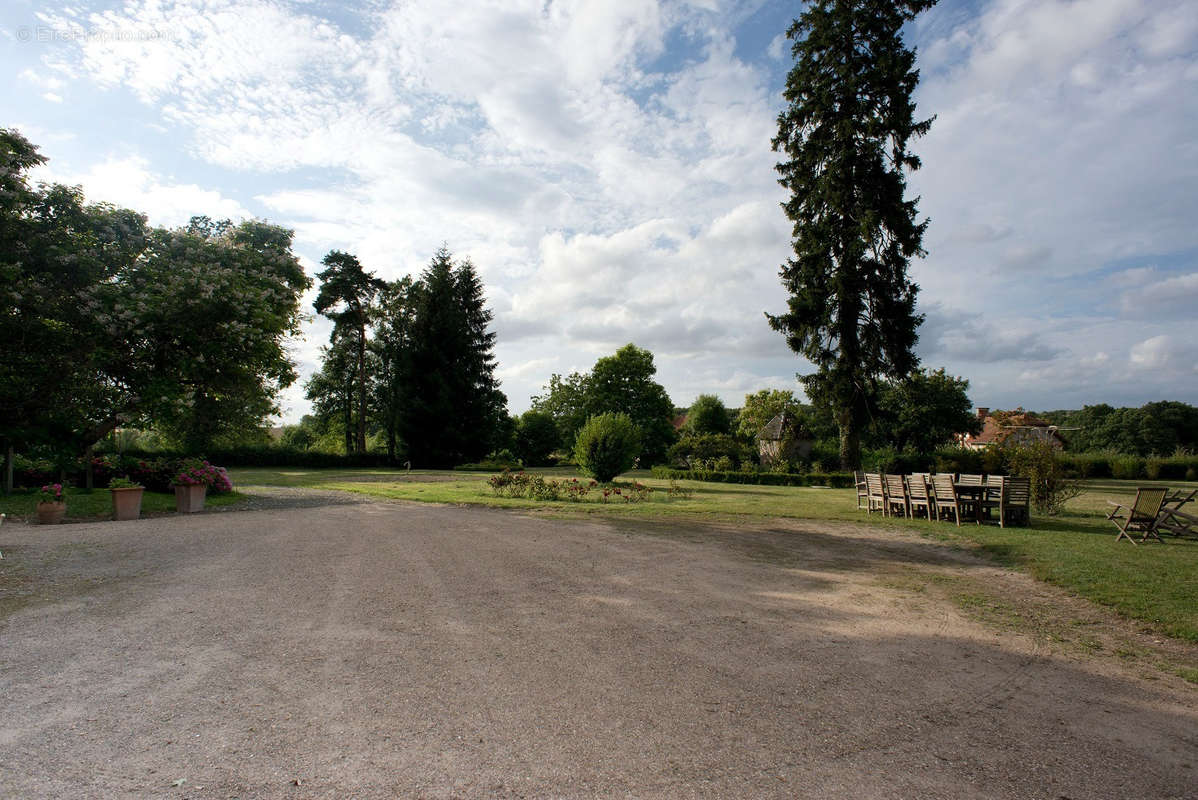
(382, 650)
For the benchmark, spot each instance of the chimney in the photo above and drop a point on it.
(983, 413)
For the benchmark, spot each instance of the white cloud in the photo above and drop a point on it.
(608, 199)
(129, 182)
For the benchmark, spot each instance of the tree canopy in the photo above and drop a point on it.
(844, 133)
(619, 383)
(107, 321)
(707, 415)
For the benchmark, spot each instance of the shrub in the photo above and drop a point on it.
(837, 480)
(710, 447)
(606, 446)
(1041, 462)
(1127, 468)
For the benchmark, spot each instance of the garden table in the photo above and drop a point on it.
(972, 494)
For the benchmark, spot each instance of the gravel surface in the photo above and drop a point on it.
(361, 649)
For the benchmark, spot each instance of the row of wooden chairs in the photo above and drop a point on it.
(943, 495)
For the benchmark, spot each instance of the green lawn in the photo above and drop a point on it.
(1154, 583)
(97, 504)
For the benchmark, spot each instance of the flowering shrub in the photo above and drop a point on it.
(537, 487)
(194, 472)
(51, 493)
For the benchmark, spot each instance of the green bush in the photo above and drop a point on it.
(1127, 468)
(710, 447)
(1043, 465)
(607, 445)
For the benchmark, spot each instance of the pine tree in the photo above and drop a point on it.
(346, 294)
(851, 310)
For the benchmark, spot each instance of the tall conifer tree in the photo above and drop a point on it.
(844, 134)
(346, 294)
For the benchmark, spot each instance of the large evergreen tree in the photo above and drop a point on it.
(346, 294)
(453, 407)
(844, 133)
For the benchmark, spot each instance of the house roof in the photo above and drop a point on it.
(679, 421)
(993, 431)
(774, 428)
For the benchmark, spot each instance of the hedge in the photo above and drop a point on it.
(837, 480)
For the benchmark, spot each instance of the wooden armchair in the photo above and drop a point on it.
(1016, 502)
(875, 493)
(1142, 516)
(946, 497)
(917, 494)
(862, 490)
(896, 496)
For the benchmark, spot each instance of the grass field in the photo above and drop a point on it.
(1153, 583)
(97, 504)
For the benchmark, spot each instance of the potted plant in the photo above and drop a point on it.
(191, 485)
(126, 498)
(51, 504)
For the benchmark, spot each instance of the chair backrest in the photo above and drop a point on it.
(859, 478)
(943, 484)
(970, 480)
(895, 487)
(1178, 500)
(1148, 503)
(1017, 491)
(917, 487)
(874, 481)
(994, 486)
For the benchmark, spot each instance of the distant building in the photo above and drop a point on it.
(1018, 428)
(779, 441)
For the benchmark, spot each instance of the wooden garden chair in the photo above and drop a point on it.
(992, 500)
(946, 497)
(1142, 516)
(862, 491)
(917, 494)
(876, 493)
(1172, 519)
(1016, 502)
(971, 480)
(896, 496)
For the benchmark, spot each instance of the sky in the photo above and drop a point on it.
(606, 166)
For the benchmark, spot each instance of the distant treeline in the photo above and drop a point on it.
(1160, 429)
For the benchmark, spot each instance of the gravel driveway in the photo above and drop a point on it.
(396, 650)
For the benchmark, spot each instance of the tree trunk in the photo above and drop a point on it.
(850, 441)
(348, 412)
(8, 465)
(362, 390)
(89, 469)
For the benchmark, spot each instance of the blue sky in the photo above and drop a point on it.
(606, 166)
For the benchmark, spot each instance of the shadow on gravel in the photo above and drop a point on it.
(808, 547)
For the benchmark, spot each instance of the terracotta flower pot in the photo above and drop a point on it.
(126, 503)
(189, 499)
(51, 513)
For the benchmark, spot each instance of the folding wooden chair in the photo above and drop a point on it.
(876, 493)
(896, 496)
(1172, 519)
(917, 494)
(946, 497)
(1142, 516)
